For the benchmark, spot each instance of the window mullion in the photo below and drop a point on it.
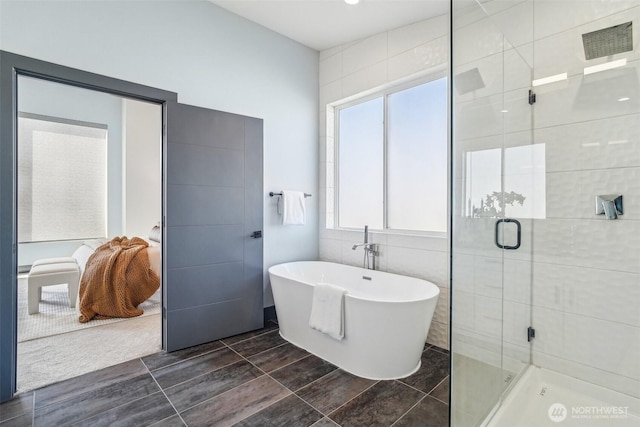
(336, 168)
(385, 156)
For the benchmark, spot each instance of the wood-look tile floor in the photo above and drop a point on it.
(253, 379)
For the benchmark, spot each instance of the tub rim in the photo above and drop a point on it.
(436, 293)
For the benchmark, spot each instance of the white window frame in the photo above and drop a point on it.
(385, 93)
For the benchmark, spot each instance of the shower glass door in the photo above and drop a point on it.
(498, 191)
(545, 139)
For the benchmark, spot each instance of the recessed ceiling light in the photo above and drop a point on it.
(352, 1)
(626, 98)
(606, 66)
(550, 79)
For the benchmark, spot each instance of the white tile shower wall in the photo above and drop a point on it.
(585, 270)
(363, 66)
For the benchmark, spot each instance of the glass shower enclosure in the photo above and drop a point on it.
(545, 213)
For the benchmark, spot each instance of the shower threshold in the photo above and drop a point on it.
(547, 398)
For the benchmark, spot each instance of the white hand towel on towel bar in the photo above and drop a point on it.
(293, 212)
(327, 310)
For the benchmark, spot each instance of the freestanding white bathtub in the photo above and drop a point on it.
(387, 316)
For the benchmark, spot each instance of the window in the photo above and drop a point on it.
(62, 179)
(392, 160)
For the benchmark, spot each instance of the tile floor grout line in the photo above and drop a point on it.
(101, 388)
(268, 406)
(435, 398)
(409, 410)
(198, 376)
(291, 391)
(308, 403)
(410, 386)
(437, 385)
(165, 396)
(164, 419)
(247, 360)
(438, 349)
(115, 407)
(73, 379)
(317, 379)
(218, 395)
(263, 351)
(233, 388)
(354, 397)
(180, 361)
(33, 411)
(323, 415)
(247, 339)
(288, 364)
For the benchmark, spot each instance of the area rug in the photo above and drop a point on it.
(49, 360)
(56, 317)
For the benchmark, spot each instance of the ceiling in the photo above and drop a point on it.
(321, 24)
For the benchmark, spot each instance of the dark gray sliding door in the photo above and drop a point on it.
(214, 204)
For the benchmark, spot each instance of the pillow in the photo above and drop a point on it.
(95, 243)
(82, 255)
(156, 234)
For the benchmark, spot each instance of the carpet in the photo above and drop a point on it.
(56, 317)
(49, 360)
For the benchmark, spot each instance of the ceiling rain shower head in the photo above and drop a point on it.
(608, 41)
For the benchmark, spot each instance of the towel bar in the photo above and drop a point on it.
(271, 194)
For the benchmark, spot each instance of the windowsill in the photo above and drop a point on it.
(428, 234)
(39, 242)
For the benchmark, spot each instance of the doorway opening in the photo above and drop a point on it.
(89, 169)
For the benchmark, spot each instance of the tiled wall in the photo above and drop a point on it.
(362, 66)
(585, 271)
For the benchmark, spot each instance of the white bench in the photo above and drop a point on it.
(49, 272)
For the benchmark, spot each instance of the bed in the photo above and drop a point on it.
(87, 248)
(114, 283)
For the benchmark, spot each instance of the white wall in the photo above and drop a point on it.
(579, 272)
(142, 165)
(362, 66)
(212, 59)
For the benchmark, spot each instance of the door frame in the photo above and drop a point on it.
(11, 66)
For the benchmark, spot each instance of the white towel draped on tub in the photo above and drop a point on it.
(327, 310)
(293, 211)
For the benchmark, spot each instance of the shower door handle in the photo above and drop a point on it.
(518, 233)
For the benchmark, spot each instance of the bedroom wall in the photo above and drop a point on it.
(51, 99)
(212, 59)
(142, 166)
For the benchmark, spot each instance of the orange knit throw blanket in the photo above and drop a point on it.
(116, 280)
